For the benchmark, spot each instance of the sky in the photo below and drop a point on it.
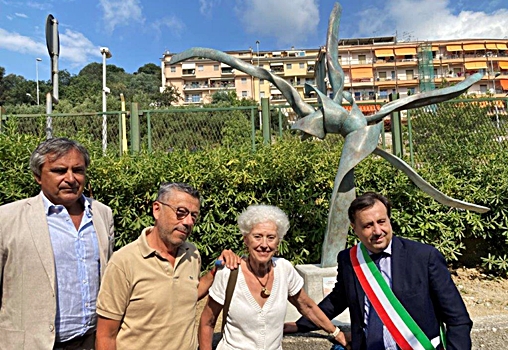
(138, 32)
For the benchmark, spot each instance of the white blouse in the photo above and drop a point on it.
(249, 326)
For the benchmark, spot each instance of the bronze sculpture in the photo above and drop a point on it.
(361, 133)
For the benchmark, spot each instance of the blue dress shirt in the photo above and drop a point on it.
(77, 268)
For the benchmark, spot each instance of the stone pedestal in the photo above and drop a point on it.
(313, 276)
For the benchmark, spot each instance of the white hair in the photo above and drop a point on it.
(260, 213)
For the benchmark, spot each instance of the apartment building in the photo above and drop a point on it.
(377, 67)
(373, 69)
(198, 79)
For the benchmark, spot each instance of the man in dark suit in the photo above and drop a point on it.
(416, 274)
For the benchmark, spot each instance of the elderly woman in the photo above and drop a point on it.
(258, 305)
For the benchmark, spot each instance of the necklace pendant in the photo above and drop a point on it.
(265, 292)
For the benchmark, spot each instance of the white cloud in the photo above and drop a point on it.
(121, 12)
(16, 42)
(290, 21)
(436, 22)
(9, 17)
(75, 48)
(22, 15)
(206, 6)
(42, 6)
(175, 25)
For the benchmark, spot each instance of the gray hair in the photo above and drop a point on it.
(55, 148)
(166, 187)
(260, 213)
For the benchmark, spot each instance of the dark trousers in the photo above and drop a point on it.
(85, 342)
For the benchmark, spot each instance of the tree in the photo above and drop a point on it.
(151, 69)
(169, 96)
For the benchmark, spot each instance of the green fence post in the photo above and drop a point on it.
(120, 127)
(2, 112)
(396, 128)
(253, 126)
(149, 130)
(280, 123)
(410, 139)
(135, 127)
(265, 113)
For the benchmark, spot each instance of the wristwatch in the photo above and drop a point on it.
(335, 333)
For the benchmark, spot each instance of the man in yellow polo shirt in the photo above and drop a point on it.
(151, 286)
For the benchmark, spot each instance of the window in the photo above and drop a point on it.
(173, 69)
(262, 94)
(196, 98)
(362, 59)
(244, 80)
(381, 75)
(302, 65)
(289, 66)
(393, 74)
(483, 89)
(409, 74)
(200, 67)
(244, 93)
(216, 67)
(261, 81)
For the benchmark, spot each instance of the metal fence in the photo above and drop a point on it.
(197, 128)
(82, 126)
(474, 128)
(456, 131)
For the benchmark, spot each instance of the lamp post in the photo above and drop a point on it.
(259, 82)
(37, 60)
(105, 90)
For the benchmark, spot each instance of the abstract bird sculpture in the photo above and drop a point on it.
(361, 133)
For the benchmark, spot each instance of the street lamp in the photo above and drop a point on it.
(259, 82)
(37, 60)
(105, 90)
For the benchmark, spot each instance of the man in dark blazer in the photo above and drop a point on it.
(416, 273)
(53, 250)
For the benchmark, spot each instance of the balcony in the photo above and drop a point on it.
(227, 70)
(188, 72)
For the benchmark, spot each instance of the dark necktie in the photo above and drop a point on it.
(375, 326)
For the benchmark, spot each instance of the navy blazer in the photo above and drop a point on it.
(422, 283)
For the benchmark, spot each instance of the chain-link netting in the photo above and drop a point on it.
(458, 131)
(77, 126)
(168, 130)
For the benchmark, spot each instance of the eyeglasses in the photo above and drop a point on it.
(182, 212)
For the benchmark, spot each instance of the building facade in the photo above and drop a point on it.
(377, 67)
(373, 69)
(198, 79)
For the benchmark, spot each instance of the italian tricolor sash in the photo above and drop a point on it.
(404, 330)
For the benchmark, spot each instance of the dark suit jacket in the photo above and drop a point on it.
(421, 282)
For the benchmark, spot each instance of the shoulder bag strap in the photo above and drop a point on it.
(229, 294)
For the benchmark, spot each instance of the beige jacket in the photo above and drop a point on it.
(27, 272)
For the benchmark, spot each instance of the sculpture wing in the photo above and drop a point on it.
(335, 72)
(425, 98)
(426, 187)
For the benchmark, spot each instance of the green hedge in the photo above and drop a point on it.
(296, 176)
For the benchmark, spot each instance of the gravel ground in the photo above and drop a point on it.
(489, 332)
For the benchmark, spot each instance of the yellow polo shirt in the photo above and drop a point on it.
(155, 302)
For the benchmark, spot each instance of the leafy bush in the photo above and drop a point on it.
(294, 175)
